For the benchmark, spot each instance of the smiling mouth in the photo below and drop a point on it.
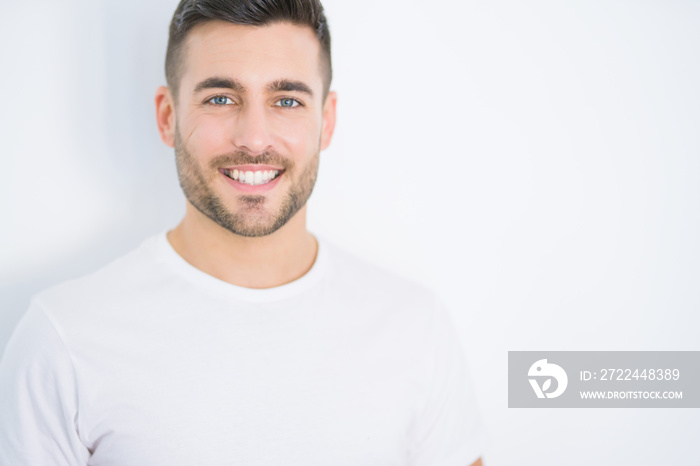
(253, 178)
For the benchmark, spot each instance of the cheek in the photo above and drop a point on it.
(292, 136)
(298, 136)
(209, 136)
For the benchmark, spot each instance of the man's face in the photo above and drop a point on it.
(250, 123)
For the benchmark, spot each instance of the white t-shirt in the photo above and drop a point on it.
(150, 361)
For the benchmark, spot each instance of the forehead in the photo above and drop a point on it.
(253, 55)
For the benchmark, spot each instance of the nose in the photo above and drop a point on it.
(251, 130)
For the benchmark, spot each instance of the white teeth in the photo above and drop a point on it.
(251, 177)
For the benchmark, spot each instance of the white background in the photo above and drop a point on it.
(538, 163)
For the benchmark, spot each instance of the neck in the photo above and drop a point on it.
(260, 262)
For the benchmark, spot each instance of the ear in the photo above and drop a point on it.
(165, 115)
(328, 119)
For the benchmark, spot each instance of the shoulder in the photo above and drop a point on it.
(361, 278)
(115, 281)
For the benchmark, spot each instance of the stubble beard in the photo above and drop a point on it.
(252, 217)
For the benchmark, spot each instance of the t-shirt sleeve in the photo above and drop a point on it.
(38, 397)
(448, 430)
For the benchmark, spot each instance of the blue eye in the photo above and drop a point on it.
(288, 103)
(219, 100)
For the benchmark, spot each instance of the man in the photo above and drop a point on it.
(239, 337)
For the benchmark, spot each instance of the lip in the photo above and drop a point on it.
(252, 168)
(248, 188)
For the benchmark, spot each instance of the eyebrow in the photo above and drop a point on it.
(219, 83)
(285, 85)
(281, 85)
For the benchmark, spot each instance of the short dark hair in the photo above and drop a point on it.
(190, 13)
